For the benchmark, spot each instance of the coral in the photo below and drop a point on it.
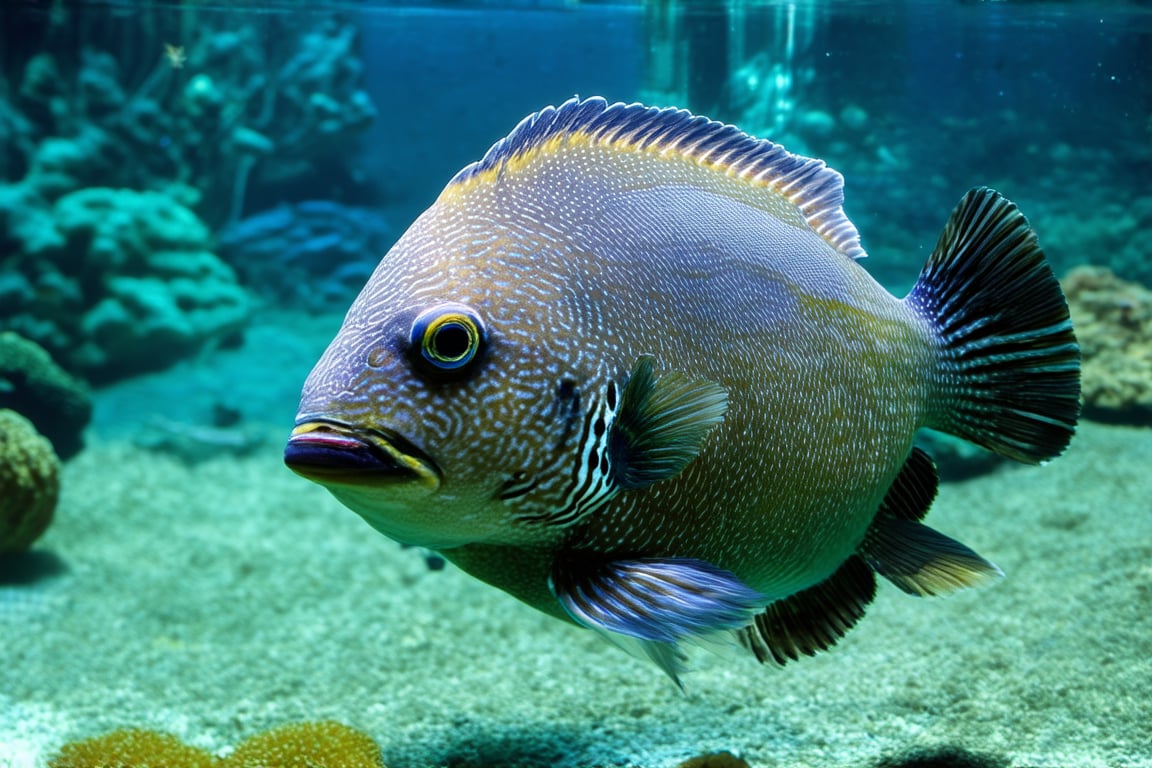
(29, 483)
(312, 255)
(326, 744)
(1113, 321)
(57, 403)
(197, 105)
(116, 281)
(131, 138)
(131, 748)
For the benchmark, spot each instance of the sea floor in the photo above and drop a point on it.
(194, 585)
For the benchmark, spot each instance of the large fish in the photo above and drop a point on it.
(628, 369)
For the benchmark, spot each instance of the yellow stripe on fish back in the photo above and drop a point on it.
(623, 165)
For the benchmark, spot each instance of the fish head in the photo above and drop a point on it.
(472, 394)
(447, 395)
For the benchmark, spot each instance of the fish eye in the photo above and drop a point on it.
(447, 340)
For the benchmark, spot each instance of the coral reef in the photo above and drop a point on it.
(29, 483)
(57, 403)
(131, 748)
(325, 744)
(314, 255)
(131, 139)
(115, 281)
(1113, 320)
(198, 105)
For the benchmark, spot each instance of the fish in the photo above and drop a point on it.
(628, 368)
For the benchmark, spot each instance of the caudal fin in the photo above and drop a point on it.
(1010, 365)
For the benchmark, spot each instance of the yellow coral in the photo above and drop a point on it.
(132, 748)
(29, 482)
(325, 744)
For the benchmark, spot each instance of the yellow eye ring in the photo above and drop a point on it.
(448, 338)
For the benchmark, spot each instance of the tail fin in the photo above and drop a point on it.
(1010, 373)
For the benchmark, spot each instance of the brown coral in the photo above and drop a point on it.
(29, 482)
(131, 748)
(325, 744)
(1113, 321)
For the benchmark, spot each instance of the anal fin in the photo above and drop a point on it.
(897, 546)
(914, 489)
(914, 557)
(814, 619)
(920, 560)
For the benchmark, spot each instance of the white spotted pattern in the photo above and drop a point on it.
(585, 255)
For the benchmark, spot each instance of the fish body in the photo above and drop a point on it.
(628, 368)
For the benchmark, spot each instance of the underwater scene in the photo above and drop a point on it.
(269, 497)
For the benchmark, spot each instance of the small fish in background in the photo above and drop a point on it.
(628, 369)
(175, 55)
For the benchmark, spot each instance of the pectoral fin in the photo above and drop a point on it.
(661, 424)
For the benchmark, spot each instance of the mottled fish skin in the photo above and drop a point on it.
(582, 252)
(554, 261)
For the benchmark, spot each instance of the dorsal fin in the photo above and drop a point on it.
(816, 191)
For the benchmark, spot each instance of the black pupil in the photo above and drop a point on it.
(451, 341)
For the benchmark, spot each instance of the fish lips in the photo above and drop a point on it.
(331, 452)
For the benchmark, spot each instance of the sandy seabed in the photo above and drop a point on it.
(217, 598)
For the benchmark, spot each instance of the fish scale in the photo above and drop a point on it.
(669, 402)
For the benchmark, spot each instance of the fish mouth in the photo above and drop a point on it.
(331, 452)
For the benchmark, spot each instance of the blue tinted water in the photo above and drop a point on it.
(190, 584)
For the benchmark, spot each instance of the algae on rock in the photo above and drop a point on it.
(29, 483)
